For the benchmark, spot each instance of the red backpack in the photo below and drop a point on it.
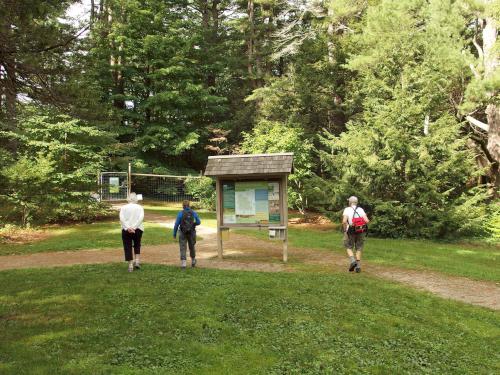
(359, 224)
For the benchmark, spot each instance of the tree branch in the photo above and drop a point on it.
(477, 123)
(478, 47)
(474, 71)
(48, 48)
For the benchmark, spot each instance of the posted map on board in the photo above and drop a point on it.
(245, 201)
(250, 202)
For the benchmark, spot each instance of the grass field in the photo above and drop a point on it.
(477, 260)
(99, 319)
(208, 218)
(100, 235)
(86, 236)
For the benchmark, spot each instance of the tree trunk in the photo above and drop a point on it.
(491, 62)
(205, 15)
(330, 31)
(493, 146)
(92, 13)
(115, 62)
(214, 37)
(9, 82)
(488, 61)
(251, 42)
(147, 95)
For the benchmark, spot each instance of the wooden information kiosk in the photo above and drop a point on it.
(252, 193)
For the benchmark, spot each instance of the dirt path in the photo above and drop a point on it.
(246, 253)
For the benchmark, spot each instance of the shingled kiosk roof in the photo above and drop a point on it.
(244, 165)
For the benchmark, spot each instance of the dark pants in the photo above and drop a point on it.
(187, 239)
(128, 240)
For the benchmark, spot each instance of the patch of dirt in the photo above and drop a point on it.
(317, 227)
(311, 218)
(20, 236)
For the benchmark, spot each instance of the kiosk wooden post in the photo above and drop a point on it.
(285, 217)
(219, 217)
(234, 177)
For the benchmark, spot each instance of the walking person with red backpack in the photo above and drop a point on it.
(186, 223)
(355, 225)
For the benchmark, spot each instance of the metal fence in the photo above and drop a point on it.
(160, 187)
(115, 186)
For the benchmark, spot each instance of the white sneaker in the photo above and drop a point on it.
(183, 264)
(131, 268)
(137, 265)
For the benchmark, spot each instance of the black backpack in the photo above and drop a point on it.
(187, 222)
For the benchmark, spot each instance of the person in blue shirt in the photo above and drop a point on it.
(186, 223)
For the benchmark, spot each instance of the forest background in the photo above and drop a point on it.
(395, 101)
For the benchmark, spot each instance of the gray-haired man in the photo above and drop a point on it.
(353, 240)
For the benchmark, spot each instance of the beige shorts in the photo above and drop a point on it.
(354, 241)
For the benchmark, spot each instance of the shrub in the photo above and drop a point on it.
(203, 190)
(412, 184)
(52, 174)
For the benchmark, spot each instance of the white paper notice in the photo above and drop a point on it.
(245, 202)
(274, 191)
(229, 219)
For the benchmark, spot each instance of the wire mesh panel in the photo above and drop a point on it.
(113, 186)
(160, 187)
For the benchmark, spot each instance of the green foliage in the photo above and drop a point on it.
(29, 184)
(54, 174)
(203, 190)
(413, 184)
(494, 223)
(275, 137)
(163, 84)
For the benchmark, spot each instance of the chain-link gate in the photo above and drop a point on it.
(115, 186)
(160, 187)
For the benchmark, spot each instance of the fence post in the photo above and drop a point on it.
(129, 179)
(99, 185)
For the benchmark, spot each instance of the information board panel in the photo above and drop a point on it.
(251, 202)
(114, 185)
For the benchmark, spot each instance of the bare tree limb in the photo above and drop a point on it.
(48, 48)
(478, 47)
(477, 123)
(474, 71)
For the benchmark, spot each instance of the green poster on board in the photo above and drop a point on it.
(228, 203)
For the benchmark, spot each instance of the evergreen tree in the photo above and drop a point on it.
(404, 154)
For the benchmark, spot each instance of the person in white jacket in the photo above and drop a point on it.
(131, 219)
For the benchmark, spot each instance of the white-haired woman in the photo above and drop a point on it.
(131, 219)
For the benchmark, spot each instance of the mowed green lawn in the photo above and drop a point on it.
(208, 218)
(479, 261)
(160, 320)
(101, 235)
(86, 236)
